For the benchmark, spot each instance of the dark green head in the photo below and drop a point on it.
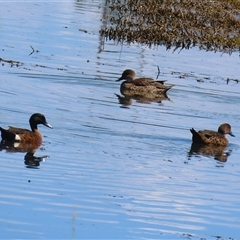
(38, 118)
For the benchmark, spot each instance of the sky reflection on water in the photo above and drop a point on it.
(112, 172)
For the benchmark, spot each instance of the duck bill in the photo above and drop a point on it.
(231, 134)
(119, 79)
(47, 125)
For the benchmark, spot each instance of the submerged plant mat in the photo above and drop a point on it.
(210, 25)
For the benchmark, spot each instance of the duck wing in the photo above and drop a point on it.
(209, 133)
(212, 137)
(143, 81)
(18, 130)
(148, 82)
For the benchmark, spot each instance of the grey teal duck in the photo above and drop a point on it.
(212, 137)
(141, 86)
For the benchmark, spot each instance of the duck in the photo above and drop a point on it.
(141, 86)
(212, 137)
(13, 134)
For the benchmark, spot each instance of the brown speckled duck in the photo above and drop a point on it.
(141, 86)
(14, 134)
(212, 137)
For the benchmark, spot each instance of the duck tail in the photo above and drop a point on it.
(196, 138)
(6, 135)
(161, 81)
(168, 87)
(2, 131)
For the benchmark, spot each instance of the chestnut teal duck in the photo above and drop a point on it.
(14, 134)
(212, 137)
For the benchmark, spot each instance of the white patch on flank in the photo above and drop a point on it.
(16, 144)
(17, 137)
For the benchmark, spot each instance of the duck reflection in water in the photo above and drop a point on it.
(219, 153)
(126, 100)
(30, 159)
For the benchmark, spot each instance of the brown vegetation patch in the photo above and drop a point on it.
(210, 25)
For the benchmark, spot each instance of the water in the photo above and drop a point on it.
(112, 171)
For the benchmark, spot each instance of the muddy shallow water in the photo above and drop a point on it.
(113, 170)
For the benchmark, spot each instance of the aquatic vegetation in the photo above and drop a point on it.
(209, 25)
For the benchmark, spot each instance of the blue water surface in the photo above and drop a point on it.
(112, 171)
